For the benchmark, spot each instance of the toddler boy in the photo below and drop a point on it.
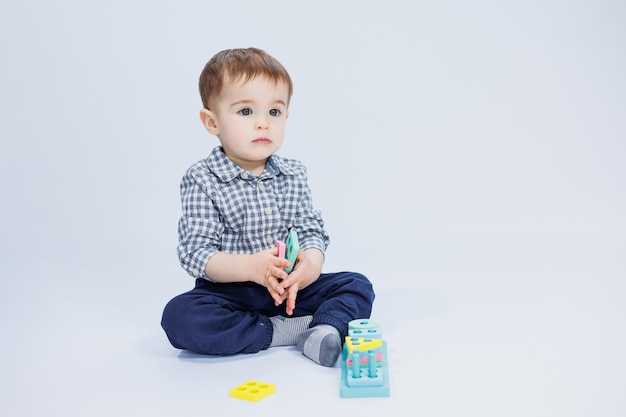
(235, 204)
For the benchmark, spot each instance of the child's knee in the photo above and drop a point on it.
(364, 284)
(173, 319)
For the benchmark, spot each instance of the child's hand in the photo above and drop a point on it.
(308, 269)
(272, 269)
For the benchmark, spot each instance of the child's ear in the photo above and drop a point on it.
(209, 121)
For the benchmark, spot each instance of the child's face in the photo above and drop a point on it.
(249, 119)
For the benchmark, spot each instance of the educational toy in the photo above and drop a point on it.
(289, 249)
(364, 367)
(252, 390)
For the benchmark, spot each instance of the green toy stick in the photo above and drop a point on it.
(292, 249)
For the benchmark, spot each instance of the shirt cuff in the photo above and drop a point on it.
(196, 263)
(313, 242)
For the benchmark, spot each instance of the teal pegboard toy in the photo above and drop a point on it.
(365, 374)
(365, 333)
(365, 328)
(363, 324)
(292, 249)
(289, 249)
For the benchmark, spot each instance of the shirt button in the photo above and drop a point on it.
(268, 211)
(196, 272)
(244, 175)
(269, 239)
(261, 186)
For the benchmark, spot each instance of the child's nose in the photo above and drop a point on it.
(262, 122)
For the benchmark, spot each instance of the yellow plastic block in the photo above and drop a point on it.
(362, 344)
(252, 390)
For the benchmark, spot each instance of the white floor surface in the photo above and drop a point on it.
(516, 335)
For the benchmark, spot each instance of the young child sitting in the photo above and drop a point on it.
(235, 204)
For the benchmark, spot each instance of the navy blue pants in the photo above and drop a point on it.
(225, 319)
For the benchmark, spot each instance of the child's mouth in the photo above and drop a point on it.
(262, 140)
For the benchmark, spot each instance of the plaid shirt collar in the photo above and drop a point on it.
(226, 170)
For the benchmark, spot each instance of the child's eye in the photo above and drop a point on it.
(275, 112)
(245, 112)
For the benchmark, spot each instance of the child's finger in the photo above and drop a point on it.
(292, 293)
(278, 299)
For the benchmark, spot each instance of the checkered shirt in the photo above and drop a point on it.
(226, 208)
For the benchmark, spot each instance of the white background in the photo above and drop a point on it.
(468, 158)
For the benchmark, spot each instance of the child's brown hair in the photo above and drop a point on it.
(239, 64)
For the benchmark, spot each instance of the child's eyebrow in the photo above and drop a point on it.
(281, 102)
(239, 102)
(249, 102)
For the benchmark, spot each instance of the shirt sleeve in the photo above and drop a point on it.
(309, 223)
(199, 228)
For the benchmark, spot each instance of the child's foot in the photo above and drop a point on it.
(287, 329)
(321, 343)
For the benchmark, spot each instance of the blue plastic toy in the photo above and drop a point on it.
(364, 367)
(289, 249)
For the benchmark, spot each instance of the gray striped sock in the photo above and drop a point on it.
(321, 343)
(287, 329)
